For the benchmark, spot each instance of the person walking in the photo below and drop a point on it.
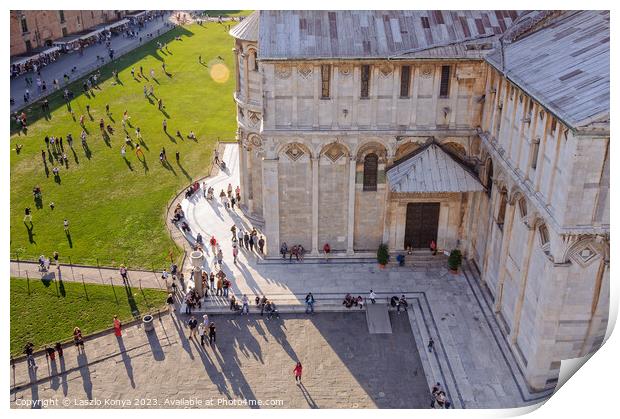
(219, 257)
(212, 282)
(240, 237)
(193, 324)
(117, 327)
(297, 371)
(261, 245)
(170, 302)
(123, 272)
(245, 301)
(213, 243)
(309, 303)
(211, 333)
(165, 125)
(372, 296)
(201, 333)
(235, 253)
(66, 225)
(220, 284)
(28, 215)
(29, 351)
(431, 344)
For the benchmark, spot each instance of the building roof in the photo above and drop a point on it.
(433, 170)
(351, 34)
(247, 29)
(563, 63)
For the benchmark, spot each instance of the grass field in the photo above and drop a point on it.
(116, 208)
(53, 309)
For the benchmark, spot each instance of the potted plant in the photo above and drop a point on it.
(454, 260)
(383, 255)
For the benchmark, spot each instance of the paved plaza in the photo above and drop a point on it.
(344, 366)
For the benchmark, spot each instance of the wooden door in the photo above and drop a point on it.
(421, 224)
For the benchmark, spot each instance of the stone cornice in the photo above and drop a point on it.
(535, 198)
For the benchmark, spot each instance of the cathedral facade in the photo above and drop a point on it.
(484, 131)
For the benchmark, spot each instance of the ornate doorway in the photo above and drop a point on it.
(421, 224)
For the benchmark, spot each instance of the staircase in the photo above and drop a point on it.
(420, 258)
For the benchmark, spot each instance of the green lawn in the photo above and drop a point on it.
(228, 13)
(51, 311)
(116, 208)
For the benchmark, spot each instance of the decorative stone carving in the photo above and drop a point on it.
(345, 70)
(254, 118)
(334, 152)
(426, 72)
(294, 152)
(385, 70)
(305, 71)
(283, 71)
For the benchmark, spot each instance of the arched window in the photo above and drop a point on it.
(501, 213)
(371, 163)
(522, 207)
(253, 60)
(489, 179)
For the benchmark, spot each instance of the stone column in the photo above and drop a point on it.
(505, 244)
(315, 206)
(524, 273)
(272, 205)
(351, 208)
(243, 175)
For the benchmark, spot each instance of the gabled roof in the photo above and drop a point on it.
(562, 61)
(433, 170)
(247, 29)
(351, 34)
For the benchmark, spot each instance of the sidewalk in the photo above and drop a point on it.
(89, 274)
(85, 63)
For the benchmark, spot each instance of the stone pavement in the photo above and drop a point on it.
(344, 366)
(85, 63)
(473, 352)
(90, 274)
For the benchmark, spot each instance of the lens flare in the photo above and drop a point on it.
(219, 72)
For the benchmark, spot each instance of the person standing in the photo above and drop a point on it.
(309, 303)
(211, 333)
(246, 304)
(170, 302)
(240, 237)
(326, 251)
(297, 371)
(216, 156)
(66, 224)
(28, 215)
(431, 344)
(29, 350)
(78, 339)
(123, 272)
(193, 324)
(56, 260)
(201, 333)
(219, 256)
(235, 253)
(261, 244)
(165, 125)
(213, 243)
(212, 282)
(117, 327)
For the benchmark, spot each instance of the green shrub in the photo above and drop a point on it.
(455, 259)
(383, 254)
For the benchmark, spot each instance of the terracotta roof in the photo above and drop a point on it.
(315, 34)
(431, 169)
(247, 29)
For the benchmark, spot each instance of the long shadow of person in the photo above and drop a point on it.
(68, 234)
(304, 392)
(128, 163)
(126, 360)
(85, 373)
(30, 232)
(34, 389)
(75, 157)
(63, 375)
(184, 171)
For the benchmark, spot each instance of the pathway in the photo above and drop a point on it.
(85, 63)
(89, 274)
